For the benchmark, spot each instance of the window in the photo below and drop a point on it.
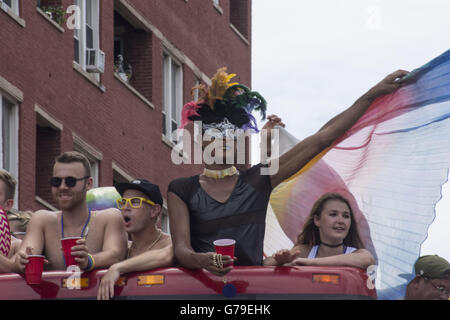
(9, 136)
(48, 147)
(10, 4)
(172, 95)
(87, 37)
(94, 156)
(133, 54)
(239, 16)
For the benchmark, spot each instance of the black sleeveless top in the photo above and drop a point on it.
(242, 217)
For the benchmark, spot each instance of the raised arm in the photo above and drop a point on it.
(296, 158)
(181, 238)
(266, 136)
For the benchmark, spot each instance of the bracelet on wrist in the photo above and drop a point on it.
(91, 263)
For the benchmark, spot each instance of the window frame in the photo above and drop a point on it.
(168, 105)
(14, 6)
(80, 35)
(13, 145)
(93, 155)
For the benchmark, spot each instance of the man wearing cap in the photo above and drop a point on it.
(150, 248)
(432, 280)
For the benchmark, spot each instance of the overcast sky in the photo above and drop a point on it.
(313, 59)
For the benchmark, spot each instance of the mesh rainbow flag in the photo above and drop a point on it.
(391, 165)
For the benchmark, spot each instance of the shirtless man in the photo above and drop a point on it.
(104, 238)
(7, 190)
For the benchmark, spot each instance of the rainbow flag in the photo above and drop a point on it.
(391, 165)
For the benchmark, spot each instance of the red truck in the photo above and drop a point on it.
(242, 283)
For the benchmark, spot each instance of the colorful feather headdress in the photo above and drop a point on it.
(224, 107)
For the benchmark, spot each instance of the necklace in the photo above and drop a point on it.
(150, 247)
(220, 174)
(85, 228)
(331, 245)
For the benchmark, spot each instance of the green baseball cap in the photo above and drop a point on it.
(432, 266)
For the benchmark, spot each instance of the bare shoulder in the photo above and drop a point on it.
(166, 240)
(45, 216)
(106, 215)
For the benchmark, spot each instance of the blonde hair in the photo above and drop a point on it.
(10, 184)
(22, 216)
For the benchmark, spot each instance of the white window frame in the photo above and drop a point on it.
(13, 147)
(93, 155)
(123, 176)
(80, 34)
(14, 6)
(169, 106)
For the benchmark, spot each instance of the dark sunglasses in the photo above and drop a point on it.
(69, 181)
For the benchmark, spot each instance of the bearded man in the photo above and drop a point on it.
(103, 237)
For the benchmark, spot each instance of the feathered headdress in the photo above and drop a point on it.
(224, 106)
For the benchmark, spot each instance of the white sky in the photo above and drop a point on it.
(313, 59)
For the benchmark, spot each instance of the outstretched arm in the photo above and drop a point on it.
(296, 158)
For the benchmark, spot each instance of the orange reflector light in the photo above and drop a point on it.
(121, 282)
(75, 283)
(326, 278)
(150, 280)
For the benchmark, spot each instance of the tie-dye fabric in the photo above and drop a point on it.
(391, 165)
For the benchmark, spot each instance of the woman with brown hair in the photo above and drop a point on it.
(329, 238)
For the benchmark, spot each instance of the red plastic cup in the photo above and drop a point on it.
(34, 268)
(225, 247)
(67, 244)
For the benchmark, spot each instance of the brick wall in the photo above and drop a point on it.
(38, 59)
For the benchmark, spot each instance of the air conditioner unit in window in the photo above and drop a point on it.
(95, 61)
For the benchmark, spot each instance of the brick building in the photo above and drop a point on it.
(55, 96)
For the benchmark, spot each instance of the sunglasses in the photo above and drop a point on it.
(134, 203)
(69, 181)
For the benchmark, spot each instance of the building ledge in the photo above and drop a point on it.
(50, 20)
(134, 91)
(11, 90)
(89, 76)
(13, 15)
(218, 8)
(167, 141)
(45, 203)
(240, 35)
